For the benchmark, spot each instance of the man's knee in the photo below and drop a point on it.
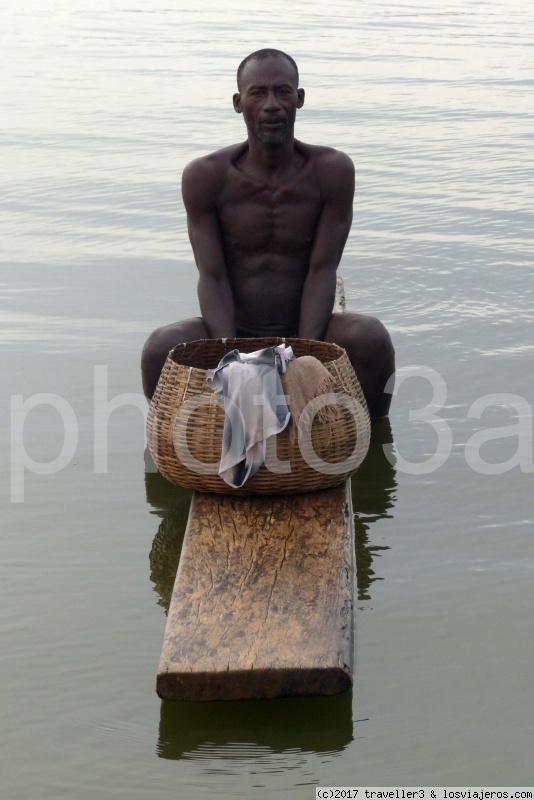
(154, 348)
(163, 339)
(370, 350)
(377, 339)
(159, 344)
(362, 333)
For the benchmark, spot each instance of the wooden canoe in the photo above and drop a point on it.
(262, 604)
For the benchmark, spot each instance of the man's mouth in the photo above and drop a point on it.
(272, 123)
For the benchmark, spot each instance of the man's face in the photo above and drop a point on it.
(269, 99)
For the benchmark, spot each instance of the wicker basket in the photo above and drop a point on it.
(186, 421)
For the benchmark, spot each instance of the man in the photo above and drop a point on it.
(268, 220)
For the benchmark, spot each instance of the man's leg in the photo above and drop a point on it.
(371, 353)
(159, 343)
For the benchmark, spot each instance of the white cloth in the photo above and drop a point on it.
(255, 406)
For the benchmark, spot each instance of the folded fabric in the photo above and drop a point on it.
(255, 408)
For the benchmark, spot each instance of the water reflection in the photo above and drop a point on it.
(373, 498)
(172, 504)
(228, 729)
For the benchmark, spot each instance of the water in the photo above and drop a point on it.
(103, 103)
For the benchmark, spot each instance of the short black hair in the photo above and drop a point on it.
(267, 52)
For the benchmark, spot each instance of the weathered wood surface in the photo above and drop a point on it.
(263, 600)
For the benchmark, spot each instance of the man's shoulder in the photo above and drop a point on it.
(334, 168)
(204, 178)
(213, 164)
(328, 158)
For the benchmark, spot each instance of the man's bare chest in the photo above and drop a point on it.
(254, 215)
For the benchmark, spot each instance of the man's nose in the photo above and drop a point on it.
(272, 102)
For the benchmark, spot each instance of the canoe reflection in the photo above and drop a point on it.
(373, 498)
(172, 503)
(306, 724)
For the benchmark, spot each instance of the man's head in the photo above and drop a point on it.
(268, 95)
(260, 55)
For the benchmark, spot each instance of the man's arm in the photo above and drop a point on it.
(336, 177)
(200, 189)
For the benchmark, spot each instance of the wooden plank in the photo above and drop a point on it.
(262, 605)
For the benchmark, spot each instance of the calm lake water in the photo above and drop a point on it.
(103, 103)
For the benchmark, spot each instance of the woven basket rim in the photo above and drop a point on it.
(250, 344)
(181, 380)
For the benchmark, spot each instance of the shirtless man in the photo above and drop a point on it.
(268, 220)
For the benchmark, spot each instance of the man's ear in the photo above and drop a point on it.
(300, 95)
(237, 103)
